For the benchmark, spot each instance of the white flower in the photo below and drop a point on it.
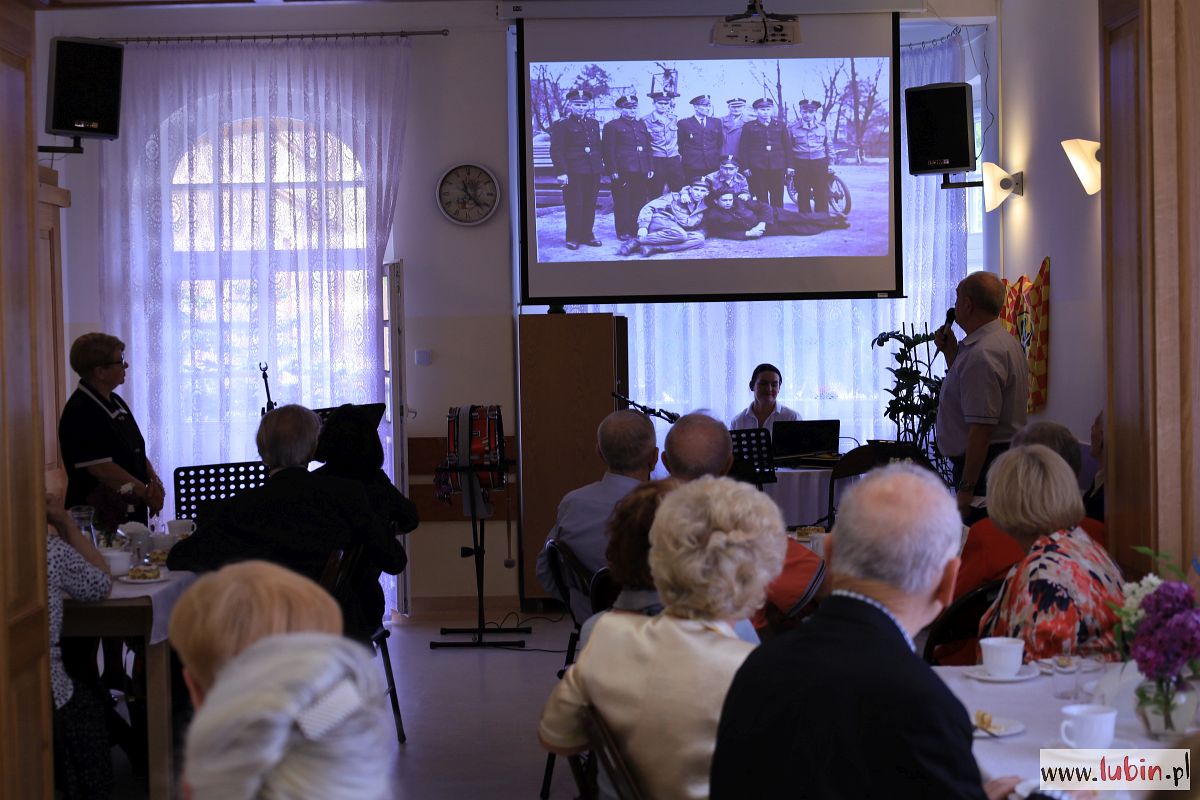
(1135, 593)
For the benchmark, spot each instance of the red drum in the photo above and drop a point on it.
(474, 438)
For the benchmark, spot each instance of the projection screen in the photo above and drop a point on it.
(810, 178)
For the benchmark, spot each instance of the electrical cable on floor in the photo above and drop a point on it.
(523, 621)
(529, 649)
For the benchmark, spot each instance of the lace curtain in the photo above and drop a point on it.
(244, 213)
(699, 356)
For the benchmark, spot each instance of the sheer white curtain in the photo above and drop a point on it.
(244, 214)
(700, 355)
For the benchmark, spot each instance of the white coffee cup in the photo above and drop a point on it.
(1088, 726)
(180, 528)
(1002, 655)
(118, 561)
(161, 541)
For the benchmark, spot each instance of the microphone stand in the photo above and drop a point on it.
(661, 413)
(271, 404)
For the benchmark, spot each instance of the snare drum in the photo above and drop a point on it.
(475, 438)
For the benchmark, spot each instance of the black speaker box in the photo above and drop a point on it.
(84, 88)
(940, 119)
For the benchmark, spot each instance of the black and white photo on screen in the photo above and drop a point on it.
(708, 192)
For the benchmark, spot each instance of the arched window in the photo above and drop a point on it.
(289, 188)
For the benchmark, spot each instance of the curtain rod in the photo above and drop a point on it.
(278, 36)
(930, 42)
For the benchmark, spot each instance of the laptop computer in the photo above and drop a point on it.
(807, 441)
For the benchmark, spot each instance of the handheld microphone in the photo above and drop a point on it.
(949, 319)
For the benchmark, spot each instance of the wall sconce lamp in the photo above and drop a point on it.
(1084, 155)
(998, 185)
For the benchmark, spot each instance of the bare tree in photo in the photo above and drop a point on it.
(593, 78)
(546, 91)
(864, 102)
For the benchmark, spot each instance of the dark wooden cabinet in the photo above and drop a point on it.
(569, 366)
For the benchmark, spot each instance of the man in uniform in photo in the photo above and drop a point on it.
(671, 223)
(700, 139)
(579, 164)
(810, 159)
(627, 161)
(732, 217)
(763, 153)
(732, 124)
(727, 178)
(664, 143)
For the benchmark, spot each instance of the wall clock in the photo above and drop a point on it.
(468, 194)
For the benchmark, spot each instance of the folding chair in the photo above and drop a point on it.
(334, 578)
(569, 574)
(612, 760)
(960, 621)
(866, 458)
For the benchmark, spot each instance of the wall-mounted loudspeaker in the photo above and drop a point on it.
(940, 119)
(84, 97)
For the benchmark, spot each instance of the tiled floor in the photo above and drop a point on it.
(470, 715)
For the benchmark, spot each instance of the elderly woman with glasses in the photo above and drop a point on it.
(102, 446)
(659, 681)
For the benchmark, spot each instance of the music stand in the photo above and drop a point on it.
(472, 490)
(753, 457)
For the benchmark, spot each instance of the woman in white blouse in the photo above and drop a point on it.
(764, 411)
(75, 569)
(659, 682)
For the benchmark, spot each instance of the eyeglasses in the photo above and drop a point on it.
(122, 363)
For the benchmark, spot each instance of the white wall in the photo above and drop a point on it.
(1050, 91)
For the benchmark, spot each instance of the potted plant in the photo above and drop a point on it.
(915, 391)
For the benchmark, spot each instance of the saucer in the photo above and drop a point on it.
(1116, 744)
(1001, 726)
(163, 575)
(1026, 672)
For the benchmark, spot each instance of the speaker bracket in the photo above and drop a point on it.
(76, 147)
(946, 184)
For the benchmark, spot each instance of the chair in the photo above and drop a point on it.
(612, 760)
(603, 590)
(334, 577)
(205, 482)
(569, 574)
(960, 621)
(866, 458)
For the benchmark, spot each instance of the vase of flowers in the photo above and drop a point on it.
(1160, 630)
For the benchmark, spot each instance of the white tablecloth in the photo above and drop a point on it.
(163, 597)
(803, 494)
(1033, 703)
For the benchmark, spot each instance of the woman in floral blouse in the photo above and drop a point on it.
(76, 569)
(1057, 597)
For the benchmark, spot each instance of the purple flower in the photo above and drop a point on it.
(1166, 601)
(1169, 635)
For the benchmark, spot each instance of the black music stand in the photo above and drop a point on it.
(753, 457)
(205, 482)
(472, 490)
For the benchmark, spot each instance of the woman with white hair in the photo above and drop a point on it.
(659, 682)
(1059, 597)
(293, 717)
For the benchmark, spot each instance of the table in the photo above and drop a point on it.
(1033, 703)
(141, 611)
(802, 494)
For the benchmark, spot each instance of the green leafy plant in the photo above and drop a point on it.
(915, 392)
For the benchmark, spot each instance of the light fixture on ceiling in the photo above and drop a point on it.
(998, 185)
(1084, 155)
